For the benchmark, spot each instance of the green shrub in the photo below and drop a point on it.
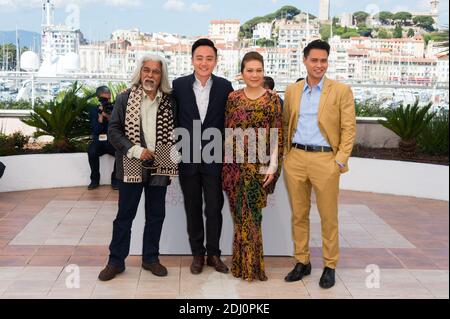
(19, 140)
(434, 138)
(408, 122)
(65, 118)
(19, 105)
(4, 144)
(12, 144)
(370, 109)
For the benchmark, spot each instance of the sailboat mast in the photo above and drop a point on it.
(17, 51)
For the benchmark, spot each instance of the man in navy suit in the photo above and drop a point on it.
(201, 99)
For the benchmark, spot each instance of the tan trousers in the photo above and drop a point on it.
(304, 171)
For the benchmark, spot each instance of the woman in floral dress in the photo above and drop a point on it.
(248, 177)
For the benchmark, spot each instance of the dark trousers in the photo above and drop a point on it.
(95, 151)
(155, 212)
(193, 188)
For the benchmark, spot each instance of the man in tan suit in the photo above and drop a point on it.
(319, 121)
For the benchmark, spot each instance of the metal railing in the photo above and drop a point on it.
(15, 114)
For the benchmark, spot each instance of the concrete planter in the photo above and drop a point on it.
(26, 172)
(369, 133)
(397, 178)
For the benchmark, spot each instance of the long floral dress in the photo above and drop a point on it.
(243, 181)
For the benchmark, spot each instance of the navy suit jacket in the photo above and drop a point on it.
(96, 127)
(187, 113)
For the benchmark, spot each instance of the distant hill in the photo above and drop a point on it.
(26, 38)
(285, 12)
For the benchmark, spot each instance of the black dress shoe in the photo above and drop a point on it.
(93, 185)
(328, 278)
(300, 270)
(115, 185)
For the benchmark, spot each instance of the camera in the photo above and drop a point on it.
(107, 106)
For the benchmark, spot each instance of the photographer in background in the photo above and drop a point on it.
(100, 145)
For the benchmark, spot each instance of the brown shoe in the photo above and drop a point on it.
(156, 269)
(110, 272)
(197, 265)
(214, 261)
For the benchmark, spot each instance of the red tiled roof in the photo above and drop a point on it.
(357, 52)
(228, 21)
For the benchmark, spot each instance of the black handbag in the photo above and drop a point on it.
(2, 169)
(157, 180)
(154, 180)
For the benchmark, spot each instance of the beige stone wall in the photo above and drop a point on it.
(374, 135)
(11, 125)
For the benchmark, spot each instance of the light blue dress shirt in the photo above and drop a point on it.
(308, 132)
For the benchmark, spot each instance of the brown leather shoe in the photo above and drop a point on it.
(156, 269)
(110, 272)
(214, 261)
(197, 265)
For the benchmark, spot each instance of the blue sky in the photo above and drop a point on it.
(186, 17)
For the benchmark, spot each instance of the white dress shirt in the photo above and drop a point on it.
(202, 96)
(149, 109)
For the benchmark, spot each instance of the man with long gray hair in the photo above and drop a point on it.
(141, 130)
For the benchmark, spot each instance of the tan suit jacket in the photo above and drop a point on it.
(337, 120)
